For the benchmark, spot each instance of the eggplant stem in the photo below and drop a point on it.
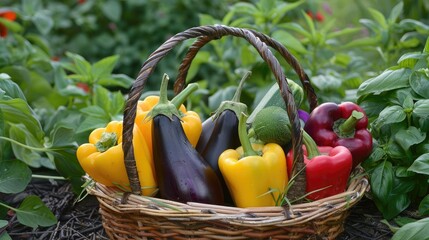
(237, 94)
(181, 97)
(163, 98)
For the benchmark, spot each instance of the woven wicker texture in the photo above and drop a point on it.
(131, 216)
(145, 217)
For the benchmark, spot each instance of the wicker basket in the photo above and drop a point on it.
(132, 216)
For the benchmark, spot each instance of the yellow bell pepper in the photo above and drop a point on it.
(191, 121)
(254, 180)
(102, 158)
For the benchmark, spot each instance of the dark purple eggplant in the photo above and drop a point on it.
(220, 133)
(182, 174)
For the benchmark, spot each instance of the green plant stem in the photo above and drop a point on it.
(47, 177)
(28, 147)
(9, 207)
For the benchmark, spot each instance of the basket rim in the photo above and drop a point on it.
(126, 202)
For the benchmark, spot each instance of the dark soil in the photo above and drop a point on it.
(80, 220)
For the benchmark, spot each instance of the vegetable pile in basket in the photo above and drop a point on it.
(233, 157)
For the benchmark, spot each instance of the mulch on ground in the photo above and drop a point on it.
(81, 220)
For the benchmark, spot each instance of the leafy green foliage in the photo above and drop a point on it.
(413, 231)
(59, 76)
(15, 176)
(399, 169)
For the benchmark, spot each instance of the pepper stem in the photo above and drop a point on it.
(181, 97)
(244, 139)
(107, 140)
(347, 128)
(310, 145)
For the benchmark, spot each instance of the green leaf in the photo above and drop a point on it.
(409, 137)
(94, 111)
(412, 24)
(17, 111)
(361, 42)
(419, 82)
(421, 164)
(5, 236)
(91, 123)
(378, 17)
(310, 24)
(296, 28)
(201, 58)
(11, 89)
(418, 230)
(243, 7)
(68, 166)
(102, 98)
(15, 176)
(289, 41)
(120, 80)
(112, 9)
(80, 65)
(426, 48)
(104, 67)
(395, 204)
(401, 221)
(22, 135)
(421, 108)
(43, 22)
(424, 206)
(3, 223)
(342, 32)
(30, 7)
(33, 213)
(62, 136)
(382, 181)
(388, 80)
(11, 25)
(408, 60)
(117, 104)
(408, 103)
(395, 13)
(402, 172)
(280, 10)
(391, 114)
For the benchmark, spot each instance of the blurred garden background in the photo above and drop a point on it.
(66, 67)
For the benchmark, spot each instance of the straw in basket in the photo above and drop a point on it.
(132, 216)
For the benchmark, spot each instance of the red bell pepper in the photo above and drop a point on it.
(327, 168)
(344, 124)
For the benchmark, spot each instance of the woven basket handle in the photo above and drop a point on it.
(211, 32)
(180, 83)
